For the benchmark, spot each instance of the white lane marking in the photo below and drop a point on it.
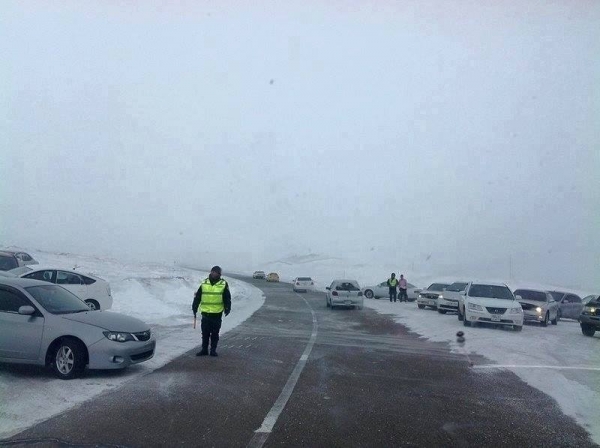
(262, 433)
(516, 366)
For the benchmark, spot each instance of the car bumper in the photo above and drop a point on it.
(533, 316)
(106, 354)
(448, 305)
(427, 302)
(347, 301)
(593, 321)
(496, 319)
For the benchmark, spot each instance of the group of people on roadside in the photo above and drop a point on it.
(398, 288)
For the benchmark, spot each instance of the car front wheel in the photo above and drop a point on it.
(94, 306)
(441, 311)
(518, 327)
(421, 306)
(69, 359)
(466, 323)
(587, 330)
(369, 294)
(460, 315)
(545, 321)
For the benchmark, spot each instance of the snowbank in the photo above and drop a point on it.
(159, 295)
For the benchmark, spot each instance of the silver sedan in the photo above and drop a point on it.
(538, 306)
(45, 324)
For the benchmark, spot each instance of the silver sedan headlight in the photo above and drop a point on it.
(539, 309)
(118, 336)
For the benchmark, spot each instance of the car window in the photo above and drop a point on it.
(87, 280)
(572, 298)
(588, 299)
(45, 276)
(25, 257)
(8, 262)
(457, 287)
(57, 300)
(304, 279)
(490, 291)
(437, 287)
(67, 278)
(527, 294)
(10, 301)
(347, 286)
(557, 295)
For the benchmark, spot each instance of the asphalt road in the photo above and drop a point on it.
(306, 375)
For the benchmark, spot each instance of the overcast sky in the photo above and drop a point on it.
(454, 133)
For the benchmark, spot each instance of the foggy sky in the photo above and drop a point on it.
(454, 132)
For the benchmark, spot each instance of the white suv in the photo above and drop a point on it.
(302, 284)
(491, 303)
(94, 291)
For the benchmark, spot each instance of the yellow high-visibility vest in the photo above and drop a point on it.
(392, 282)
(212, 296)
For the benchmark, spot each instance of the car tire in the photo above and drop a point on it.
(588, 330)
(327, 302)
(555, 320)
(544, 323)
(94, 306)
(369, 294)
(69, 359)
(518, 327)
(421, 307)
(460, 315)
(466, 323)
(441, 311)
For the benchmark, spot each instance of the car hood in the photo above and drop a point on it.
(108, 321)
(451, 294)
(534, 303)
(493, 303)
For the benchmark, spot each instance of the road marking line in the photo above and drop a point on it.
(262, 433)
(515, 366)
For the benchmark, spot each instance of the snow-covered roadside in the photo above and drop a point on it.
(159, 295)
(537, 355)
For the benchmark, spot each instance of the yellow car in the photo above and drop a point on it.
(272, 277)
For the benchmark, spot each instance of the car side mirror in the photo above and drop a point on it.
(26, 310)
(518, 298)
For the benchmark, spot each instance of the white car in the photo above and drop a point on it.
(94, 291)
(490, 303)
(429, 296)
(344, 293)
(383, 290)
(22, 258)
(449, 299)
(302, 284)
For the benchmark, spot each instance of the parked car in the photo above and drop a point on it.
(382, 290)
(590, 316)
(428, 297)
(538, 306)
(8, 261)
(302, 284)
(273, 277)
(44, 324)
(344, 293)
(570, 305)
(588, 299)
(23, 258)
(450, 297)
(259, 274)
(91, 289)
(491, 303)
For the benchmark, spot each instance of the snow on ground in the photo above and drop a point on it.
(537, 355)
(157, 294)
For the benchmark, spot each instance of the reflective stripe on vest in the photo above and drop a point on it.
(212, 297)
(392, 282)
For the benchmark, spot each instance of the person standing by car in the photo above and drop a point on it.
(403, 286)
(214, 298)
(393, 284)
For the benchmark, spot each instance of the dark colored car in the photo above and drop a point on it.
(589, 318)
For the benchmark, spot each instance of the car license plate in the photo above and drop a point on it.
(496, 318)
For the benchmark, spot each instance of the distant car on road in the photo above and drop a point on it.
(590, 316)
(23, 258)
(259, 274)
(44, 324)
(273, 277)
(428, 297)
(538, 306)
(344, 293)
(302, 284)
(94, 291)
(570, 305)
(449, 299)
(382, 290)
(8, 261)
(490, 303)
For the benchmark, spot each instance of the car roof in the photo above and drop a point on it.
(345, 280)
(532, 289)
(486, 283)
(21, 282)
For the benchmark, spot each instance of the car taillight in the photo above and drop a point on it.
(334, 293)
